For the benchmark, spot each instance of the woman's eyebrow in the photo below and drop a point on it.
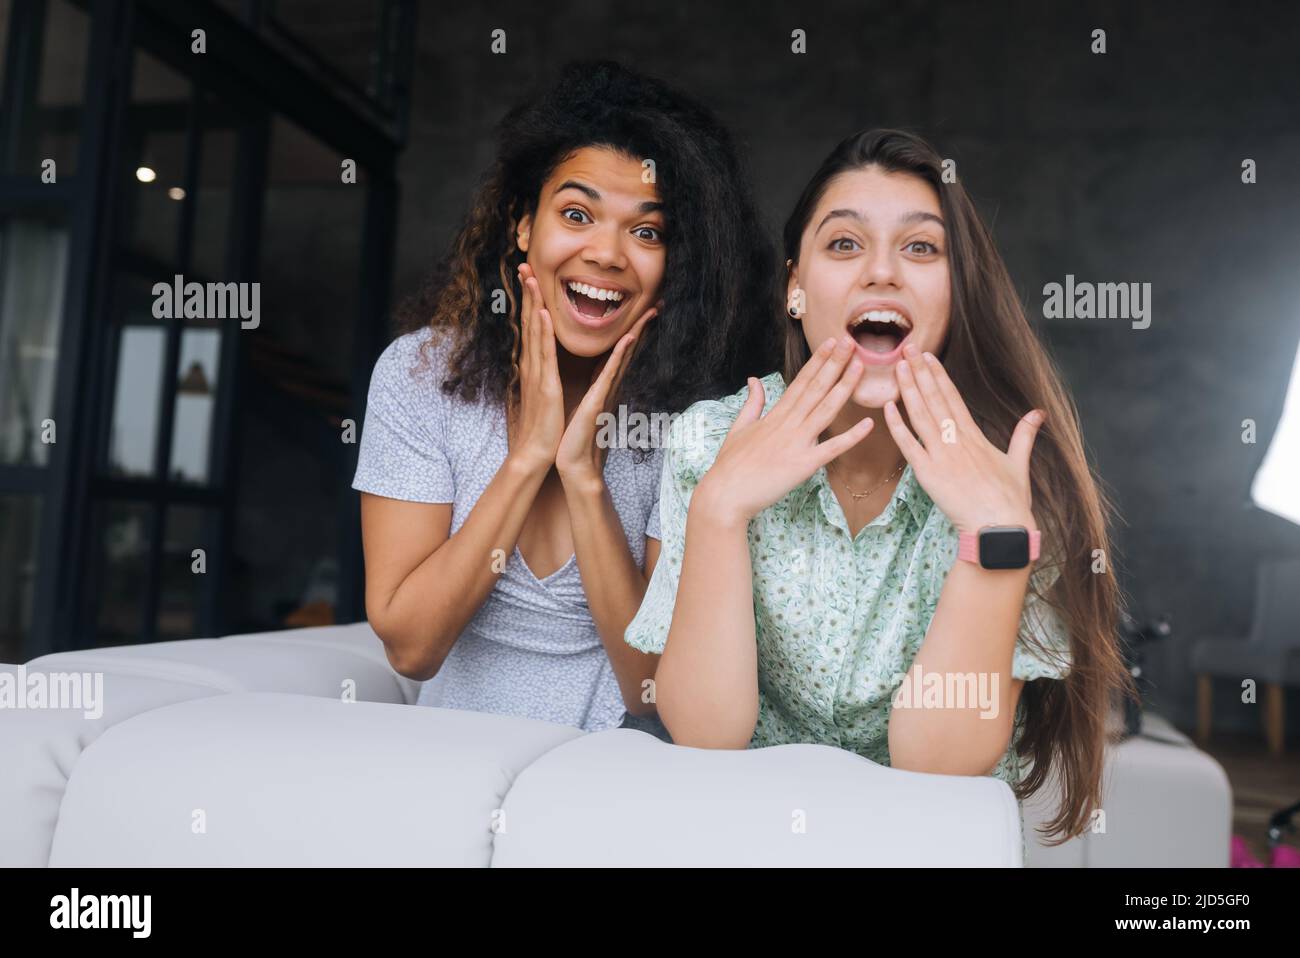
(649, 206)
(840, 214)
(921, 216)
(580, 187)
(915, 216)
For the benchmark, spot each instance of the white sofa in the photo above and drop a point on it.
(304, 748)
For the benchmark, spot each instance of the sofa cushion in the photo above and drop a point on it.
(39, 748)
(621, 796)
(1039, 809)
(274, 779)
(1166, 802)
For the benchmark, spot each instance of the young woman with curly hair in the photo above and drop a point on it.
(612, 256)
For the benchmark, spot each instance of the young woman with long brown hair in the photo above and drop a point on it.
(610, 257)
(828, 552)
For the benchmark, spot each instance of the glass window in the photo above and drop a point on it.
(133, 435)
(33, 275)
(311, 252)
(154, 163)
(181, 587)
(61, 86)
(196, 393)
(19, 523)
(46, 96)
(216, 176)
(200, 348)
(123, 553)
(291, 489)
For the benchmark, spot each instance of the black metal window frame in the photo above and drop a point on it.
(244, 68)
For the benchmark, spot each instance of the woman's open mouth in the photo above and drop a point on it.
(592, 305)
(879, 334)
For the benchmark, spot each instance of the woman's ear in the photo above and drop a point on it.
(794, 296)
(522, 231)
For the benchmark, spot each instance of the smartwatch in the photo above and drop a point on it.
(1000, 547)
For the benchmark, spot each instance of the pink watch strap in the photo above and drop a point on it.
(968, 545)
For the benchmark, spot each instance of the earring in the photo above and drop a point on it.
(795, 305)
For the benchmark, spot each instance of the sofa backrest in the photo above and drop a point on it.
(297, 748)
(275, 779)
(334, 661)
(39, 747)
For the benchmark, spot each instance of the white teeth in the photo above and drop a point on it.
(883, 316)
(595, 292)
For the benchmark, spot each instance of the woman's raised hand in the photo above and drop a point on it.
(971, 480)
(535, 435)
(764, 457)
(580, 458)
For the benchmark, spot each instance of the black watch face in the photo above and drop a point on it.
(1004, 548)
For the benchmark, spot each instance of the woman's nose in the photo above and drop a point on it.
(880, 268)
(605, 250)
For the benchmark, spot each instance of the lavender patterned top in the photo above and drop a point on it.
(532, 648)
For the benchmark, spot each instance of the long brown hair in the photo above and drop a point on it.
(1002, 370)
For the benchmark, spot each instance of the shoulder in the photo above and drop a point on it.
(406, 388)
(420, 355)
(698, 433)
(412, 369)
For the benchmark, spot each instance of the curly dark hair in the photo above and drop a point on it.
(713, 330)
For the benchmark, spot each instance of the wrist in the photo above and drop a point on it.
(710, 504)
(1000, 546)
(584, 483)
(525, 465)
(972, 526)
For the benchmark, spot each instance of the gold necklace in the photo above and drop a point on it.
(863, 495)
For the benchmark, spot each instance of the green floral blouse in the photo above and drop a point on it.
(838, 618)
